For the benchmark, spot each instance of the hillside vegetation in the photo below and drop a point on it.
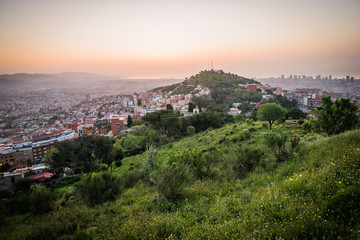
(236, 182)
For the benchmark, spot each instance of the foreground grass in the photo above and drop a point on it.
(315, 194)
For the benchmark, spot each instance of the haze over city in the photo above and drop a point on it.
(148, 39)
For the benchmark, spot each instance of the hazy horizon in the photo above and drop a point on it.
(163, 39)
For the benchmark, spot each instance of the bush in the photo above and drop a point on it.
(118, 163)
(200, 163)
(16, 204)
(241, 136)
(97, 188)
(249, 122)
(149, 165)
(311, 126)
(129, 179)
(2, 215)
(170, 179)
(190, 130)
(277, 144)
(163, 139)
(41, 200)
(301, 121)
(22, 185)
(246, 160)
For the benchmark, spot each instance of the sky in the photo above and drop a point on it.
(168, 38)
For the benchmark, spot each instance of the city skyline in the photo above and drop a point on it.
(177, 39)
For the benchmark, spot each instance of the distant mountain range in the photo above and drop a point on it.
(66, 77)
(78, 79)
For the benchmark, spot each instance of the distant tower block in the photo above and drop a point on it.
(212, 65)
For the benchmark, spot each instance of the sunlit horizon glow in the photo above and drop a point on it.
(162, 38)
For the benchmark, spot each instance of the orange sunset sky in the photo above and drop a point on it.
(165, 38)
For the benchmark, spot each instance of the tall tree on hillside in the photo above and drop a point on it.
(191, 107)
(270, 112)
(337, 117)
(129, 121)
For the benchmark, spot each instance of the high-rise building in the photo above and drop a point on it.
(135, 100)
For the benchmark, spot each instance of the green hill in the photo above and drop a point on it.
(224, 88)
(225, 183)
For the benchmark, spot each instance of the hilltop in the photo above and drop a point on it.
(211, 79)
(224, 89)
(236, 188)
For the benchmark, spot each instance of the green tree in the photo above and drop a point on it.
(154, 118)
(83, 154)
(295, 113)
(337, 117)
(169, 107)
(191, 107)
(283, 101)
(212, 108)
(169, 123)
(239, 118)
(129, 121)
(270, 112)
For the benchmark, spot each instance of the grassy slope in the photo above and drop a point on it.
(313, 195)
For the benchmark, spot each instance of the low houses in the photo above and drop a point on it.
(253, 87)
(9, 179)
(41, 177)
(37, 173)
(6, 156)
(234, 111)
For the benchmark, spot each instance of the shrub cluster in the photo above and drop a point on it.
(97, 188)
(278, 145)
